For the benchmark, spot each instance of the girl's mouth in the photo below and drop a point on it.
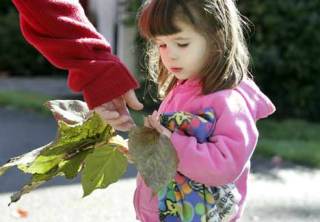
(176, 70)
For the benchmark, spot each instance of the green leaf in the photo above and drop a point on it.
(154, 156)
(36, 181)
(22, 161)
(43, 164)
(72, 167)
(72, 137)
(104, 166)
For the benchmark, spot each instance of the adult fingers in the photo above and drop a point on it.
(119, 121)
(119, 105)
(124, 127)
(107, 115)
(132, 100)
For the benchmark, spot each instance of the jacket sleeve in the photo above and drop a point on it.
(223, 159)
(60, 30)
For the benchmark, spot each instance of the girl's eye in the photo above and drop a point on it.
(183, 45)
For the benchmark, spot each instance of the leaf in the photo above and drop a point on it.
(119, 141)
(72, 167)
(22, 161)
(104, 166)
(68, 111)
(72, 139)
(36, 181)
(22, 213)
(43, 164)
(154, 156)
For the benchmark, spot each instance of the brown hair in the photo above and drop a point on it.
(217, 20)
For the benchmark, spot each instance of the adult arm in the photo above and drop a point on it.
(60, 30)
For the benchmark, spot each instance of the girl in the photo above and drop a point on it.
(199, 59)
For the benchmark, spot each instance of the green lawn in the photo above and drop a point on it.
(25, 101)
(292, 139)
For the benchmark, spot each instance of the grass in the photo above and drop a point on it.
(25, 101)
(294, 140)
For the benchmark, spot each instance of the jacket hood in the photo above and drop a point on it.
(259, 104)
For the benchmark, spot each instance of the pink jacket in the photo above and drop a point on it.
(226, 158)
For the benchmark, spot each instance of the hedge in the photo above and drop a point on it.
(17, 57)
(284, 44)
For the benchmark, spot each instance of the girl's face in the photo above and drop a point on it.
(184, 53)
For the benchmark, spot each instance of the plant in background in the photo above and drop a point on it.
(286, 54)
(17, 57)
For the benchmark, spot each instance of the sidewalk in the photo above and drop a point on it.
(293, 196)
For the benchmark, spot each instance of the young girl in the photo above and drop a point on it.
(199, 59)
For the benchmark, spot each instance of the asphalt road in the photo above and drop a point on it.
(283, 193)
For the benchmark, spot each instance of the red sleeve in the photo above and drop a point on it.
(60, 30)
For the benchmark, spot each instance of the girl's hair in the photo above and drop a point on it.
(218, 21)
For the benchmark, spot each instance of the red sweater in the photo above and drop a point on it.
(60, 30)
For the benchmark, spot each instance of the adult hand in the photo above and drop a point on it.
(116, 112)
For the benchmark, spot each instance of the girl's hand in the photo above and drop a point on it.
(152, 121)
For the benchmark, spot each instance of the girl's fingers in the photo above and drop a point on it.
(156, 124)
(152, 122)
(155, 115)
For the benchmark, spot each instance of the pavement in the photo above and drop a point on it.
(278, 190)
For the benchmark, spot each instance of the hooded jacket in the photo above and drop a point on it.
(226, 157)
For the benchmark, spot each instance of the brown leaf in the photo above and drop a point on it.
(22, 213)
(154, 156)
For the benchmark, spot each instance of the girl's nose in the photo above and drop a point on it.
(172, 54)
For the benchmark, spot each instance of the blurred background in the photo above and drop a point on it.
(284, 42)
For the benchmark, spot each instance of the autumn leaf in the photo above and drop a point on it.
(154, 156)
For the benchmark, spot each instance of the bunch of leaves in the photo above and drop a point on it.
(84, 144)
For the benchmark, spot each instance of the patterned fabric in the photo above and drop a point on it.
(184, 199)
